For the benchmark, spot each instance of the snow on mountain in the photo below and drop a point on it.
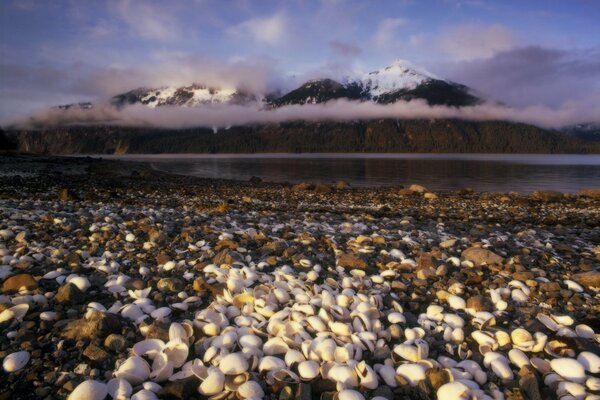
(401, 74)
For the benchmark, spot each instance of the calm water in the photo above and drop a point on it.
(488, 172)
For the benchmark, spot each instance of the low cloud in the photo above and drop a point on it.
(221, 116)
(344, 49)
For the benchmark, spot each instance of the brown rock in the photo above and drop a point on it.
(69, 294)
(480, 256)
(425, 261)
(98, 325)
(523, 276)
(162, 258)
(547, 196)
(349, 260)
(588, 279)
(593, 193)
(170, 285)
(19, 282)
(437, 377)
(226, 256)
(342, 185)
(529, 384)
(479, 303)
(302, 187)
(115, 342)
(549, 286)
(322, 189)
(95, 353)
(430, 196)
(156, 236)
(417, 188)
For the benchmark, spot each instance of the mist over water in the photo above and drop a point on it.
(482, 172)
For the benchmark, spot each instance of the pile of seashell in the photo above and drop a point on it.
(290, 326)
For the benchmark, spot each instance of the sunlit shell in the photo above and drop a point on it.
(162, 368)
(569, 369)
(413, 373)
(149, 348)
(233, 364)
(135, 370)
(119, 389)
(590, 361)
(250, 390)
(453, 391)
(308, 369)
(15, 361)
(89, 390)
(212, 383)
(348, 394)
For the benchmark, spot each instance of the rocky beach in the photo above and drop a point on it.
(122, 282)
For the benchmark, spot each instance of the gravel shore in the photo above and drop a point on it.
(147, 285)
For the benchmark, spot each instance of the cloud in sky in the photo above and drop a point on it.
(470, 42)
(344, 49)
(387, 31)
(533, 75)
(270, 30)
(148, 20)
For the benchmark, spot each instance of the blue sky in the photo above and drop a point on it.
(68, 50)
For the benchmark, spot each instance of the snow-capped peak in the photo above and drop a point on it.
(401, 74)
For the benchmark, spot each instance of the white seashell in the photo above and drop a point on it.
(270, 363)
(135, 370)
(340, 329)
(162, 368)
(250, 390)
(179, 331)
(130, 237)
(453, 391)
(81, 282)
(308, 369)
(293, 357)
(149, 348)
(119, 389)
(569, 369)
(574, 286)
(571, 388)
(177, 352)
(519, 296)
(396, 318)
(518, 358)
(132, 312)
(275, 346)
(590, 361)
(388, 374)
(161, 313)
(89, 390)
(343, 375)
(593, 383)
(234, 363)
(144, 395)
(17, 312)
(348, 394)
(586, 332)
(48, 316)
(413, 373)
(213, 382)
(15, 361)
(456, 302)
(543, 366)
(499, 365)
(435, 312)
(366, 376)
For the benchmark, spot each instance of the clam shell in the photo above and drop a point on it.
(348, 394)
(134, 370)
(250, 390)
(162, 368)
(89, 390)
(149, 348)
(212, 383)
(308, 370)
(144, 395)
(15, 361)
(453, 391)
(413, 373)
(569, 369)
(119, 389)
(234, 364)
(590, 361)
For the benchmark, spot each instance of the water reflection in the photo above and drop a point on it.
(522, 173)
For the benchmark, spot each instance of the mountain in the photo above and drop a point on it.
(398, 81)
(188, 96)
(589, 131)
